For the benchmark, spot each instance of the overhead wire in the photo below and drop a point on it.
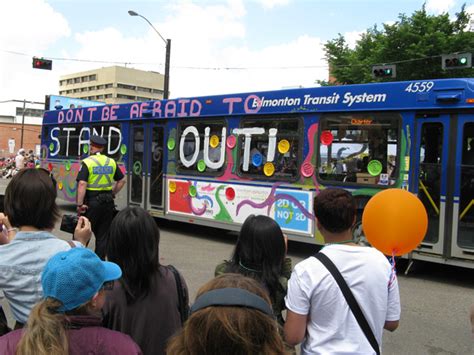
(224, 68)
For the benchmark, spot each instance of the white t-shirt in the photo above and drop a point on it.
(332, 328)
(19, 161)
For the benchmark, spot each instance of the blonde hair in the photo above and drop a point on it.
(45, 332)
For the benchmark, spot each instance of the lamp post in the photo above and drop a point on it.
(168, 50)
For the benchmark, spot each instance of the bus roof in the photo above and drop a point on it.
(407, 95)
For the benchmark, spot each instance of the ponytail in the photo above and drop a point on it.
(45, 333)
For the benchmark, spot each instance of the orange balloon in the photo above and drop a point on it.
(395, 221)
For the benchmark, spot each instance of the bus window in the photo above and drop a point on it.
(72, 139)
(468, 145)
(466, 198)
(363, 150)
(44, 138)
(192, 160)
(431, 153)
(156, 167)
(285, 161)
(113, 134)
(68, 137)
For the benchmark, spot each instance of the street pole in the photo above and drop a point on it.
(166, 93)
(23, 123)
(166, 89)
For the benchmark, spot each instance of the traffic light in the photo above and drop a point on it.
(384, 71)
(41, 63)
(456, 61)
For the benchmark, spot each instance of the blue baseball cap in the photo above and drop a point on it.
(73, 277)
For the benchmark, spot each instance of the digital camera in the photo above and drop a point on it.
(69, 223)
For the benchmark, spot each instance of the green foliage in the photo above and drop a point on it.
(415, 44)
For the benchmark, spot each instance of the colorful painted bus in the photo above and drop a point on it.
(215, 160)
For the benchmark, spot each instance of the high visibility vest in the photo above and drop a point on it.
(101, 172)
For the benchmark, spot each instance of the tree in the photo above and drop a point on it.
(415, 44)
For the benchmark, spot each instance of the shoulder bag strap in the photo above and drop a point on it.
(354, 306)
(181, 297)
(71, 243)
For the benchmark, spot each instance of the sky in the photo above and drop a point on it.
(217, 46)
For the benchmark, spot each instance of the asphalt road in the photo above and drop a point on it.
(435, 298)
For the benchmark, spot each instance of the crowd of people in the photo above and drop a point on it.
(9, 166)
(65, 298)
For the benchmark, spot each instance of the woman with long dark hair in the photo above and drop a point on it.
(260, 253)
(144, 302)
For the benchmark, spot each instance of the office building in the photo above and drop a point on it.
(113, 85)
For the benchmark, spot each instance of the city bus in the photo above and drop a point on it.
(214, 160)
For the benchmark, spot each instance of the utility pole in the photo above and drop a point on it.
(166, 93)
(23, 123)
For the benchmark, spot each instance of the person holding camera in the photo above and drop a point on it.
(96, 191)
(30, 215)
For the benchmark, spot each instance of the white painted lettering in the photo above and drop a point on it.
(207, 160)
(271, 144)
(83, 141)
(248, 133)
(68, 130)
(54, 138)
(193, 130)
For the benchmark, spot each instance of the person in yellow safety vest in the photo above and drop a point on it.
(96, 191)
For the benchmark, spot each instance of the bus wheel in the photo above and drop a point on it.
(358, 234)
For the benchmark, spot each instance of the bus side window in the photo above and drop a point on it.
(286, 148)
(468, 145)
(363, 149)
(68, 137)
(188, 148)
(113, 134)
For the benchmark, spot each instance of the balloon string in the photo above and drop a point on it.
(393, 273)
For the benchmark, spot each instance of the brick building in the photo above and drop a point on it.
(12, 114)
(11, 133)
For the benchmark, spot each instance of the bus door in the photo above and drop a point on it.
(155, 159)
(462, 242)
(146, 165)
(430, 177)
(136, 165)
